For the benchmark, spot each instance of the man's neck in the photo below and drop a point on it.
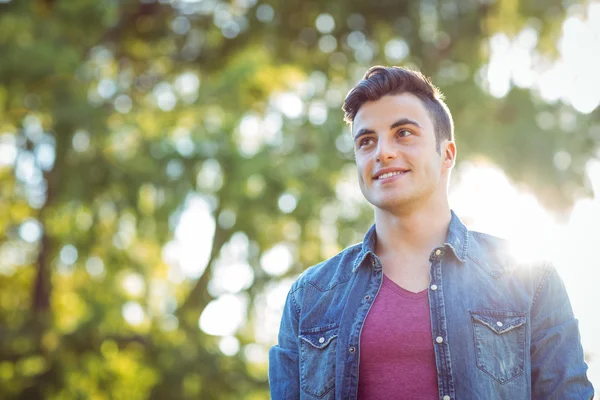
(412, 233)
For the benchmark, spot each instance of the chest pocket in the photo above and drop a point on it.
(499, 343)
(317, 360)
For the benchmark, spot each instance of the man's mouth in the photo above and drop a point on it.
(389, 174)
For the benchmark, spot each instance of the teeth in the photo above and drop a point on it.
(389, 174)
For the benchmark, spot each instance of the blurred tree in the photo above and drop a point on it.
(116, 116)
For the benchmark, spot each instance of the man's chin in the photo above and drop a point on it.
(390, 203)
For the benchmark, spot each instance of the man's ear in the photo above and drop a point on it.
(449, 155)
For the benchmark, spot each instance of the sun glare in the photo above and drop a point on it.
(486, 201)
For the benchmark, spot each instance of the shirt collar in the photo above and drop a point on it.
(368, 246)
(457, 240)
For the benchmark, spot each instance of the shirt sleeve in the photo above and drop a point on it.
(558, 368)
(284, 374)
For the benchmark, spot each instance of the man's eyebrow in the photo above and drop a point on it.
(404, 121)
(400, 122)
(363, 132)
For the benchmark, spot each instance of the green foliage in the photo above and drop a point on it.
(123, 110)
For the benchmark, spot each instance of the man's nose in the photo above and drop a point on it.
(385, 150)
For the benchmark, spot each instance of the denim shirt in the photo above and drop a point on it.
(500, 330)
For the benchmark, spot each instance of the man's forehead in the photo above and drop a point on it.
(389, 109)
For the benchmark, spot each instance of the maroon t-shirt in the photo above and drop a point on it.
(397, 360)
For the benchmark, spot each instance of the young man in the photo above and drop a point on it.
(423, 308)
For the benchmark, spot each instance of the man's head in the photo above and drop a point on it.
(382, 81)
(403, 140)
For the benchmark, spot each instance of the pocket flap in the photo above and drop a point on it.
(499, 321)
(319, 337)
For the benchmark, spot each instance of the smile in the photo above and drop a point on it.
(389, 174)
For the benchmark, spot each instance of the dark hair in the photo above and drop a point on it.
(380, 81)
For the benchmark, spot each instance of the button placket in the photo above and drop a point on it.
(439, 325)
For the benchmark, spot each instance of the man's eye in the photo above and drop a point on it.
(403, 133)
(365, 142)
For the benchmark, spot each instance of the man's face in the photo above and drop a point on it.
(396, 156)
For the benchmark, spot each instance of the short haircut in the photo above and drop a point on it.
(381, 81)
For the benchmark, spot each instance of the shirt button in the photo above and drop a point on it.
(438, 252)
(433, 287)
(446, 397)
(367, 297)
(499, 323)
(352, 349)
(322, 340)
(439, 339)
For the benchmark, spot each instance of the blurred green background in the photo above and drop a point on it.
(167, 168)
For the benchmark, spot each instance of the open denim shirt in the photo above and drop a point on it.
(500, 330)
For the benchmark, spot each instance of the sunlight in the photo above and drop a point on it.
(255, 131)
(133, 284)
(486, 201)
(231, 272)
(572, 77)
(31, 230)
(8, 149)
(277, 260)
(224, 315)
(189, 252)
(133, 313)
(229, 345)
(289, 104)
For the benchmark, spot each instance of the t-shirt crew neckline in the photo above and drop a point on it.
(401, 291)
